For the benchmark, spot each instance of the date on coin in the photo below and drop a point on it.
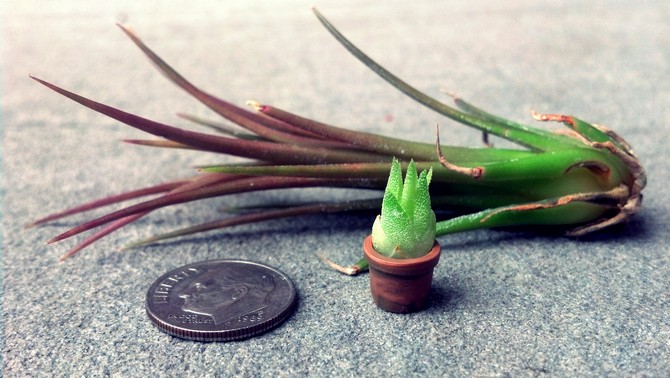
(220, 300)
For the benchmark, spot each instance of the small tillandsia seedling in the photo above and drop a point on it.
(406, 226)
(577, 181)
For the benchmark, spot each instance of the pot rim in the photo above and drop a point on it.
(393, 265)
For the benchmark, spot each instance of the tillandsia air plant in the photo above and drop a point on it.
(406, 226)
(577, 181)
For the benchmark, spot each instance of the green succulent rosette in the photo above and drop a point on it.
(406, 226)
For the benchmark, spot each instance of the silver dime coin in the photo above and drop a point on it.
(220, 300)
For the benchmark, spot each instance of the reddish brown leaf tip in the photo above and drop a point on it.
(568, 120)
(257, 106)
(51, 241)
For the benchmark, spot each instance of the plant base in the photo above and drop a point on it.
(400, 285)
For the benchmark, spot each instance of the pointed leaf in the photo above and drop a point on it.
(409, 190)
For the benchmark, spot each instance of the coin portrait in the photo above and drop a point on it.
(226, 293)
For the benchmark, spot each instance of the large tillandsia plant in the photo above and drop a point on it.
(579, 181)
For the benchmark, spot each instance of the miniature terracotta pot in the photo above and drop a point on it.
(400, 285)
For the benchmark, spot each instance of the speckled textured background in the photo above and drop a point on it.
(503, 303)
